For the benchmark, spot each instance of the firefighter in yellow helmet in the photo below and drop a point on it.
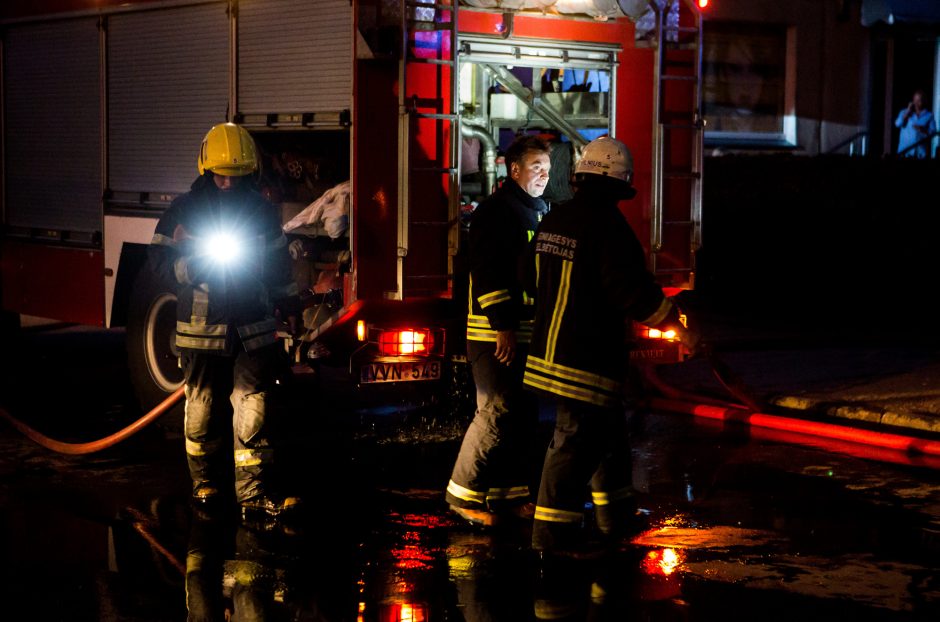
(222, 246)
(591, 278)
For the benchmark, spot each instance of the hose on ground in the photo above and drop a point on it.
(76, 449)
(676, 400)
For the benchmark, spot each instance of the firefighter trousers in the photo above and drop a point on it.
(492, 467)
(228, 397)
(590, 446)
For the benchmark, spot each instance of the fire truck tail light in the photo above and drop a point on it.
(405, 342)
(702, 4)
(655, 333)
(361, 330)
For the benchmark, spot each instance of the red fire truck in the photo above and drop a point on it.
(410, 101)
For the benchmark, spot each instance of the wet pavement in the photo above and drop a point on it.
(745, 524)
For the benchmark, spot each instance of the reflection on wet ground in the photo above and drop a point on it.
(744, 526)
(741, 529)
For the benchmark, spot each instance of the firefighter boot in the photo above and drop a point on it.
(205, 494)
(270, 505)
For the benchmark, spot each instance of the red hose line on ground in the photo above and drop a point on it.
(897, 442)
(76, 449)
(677, 400)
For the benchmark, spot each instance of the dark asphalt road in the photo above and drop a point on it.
(745, 525)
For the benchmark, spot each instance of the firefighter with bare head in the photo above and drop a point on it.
(222, 245)
(589, 271)
(489, 479)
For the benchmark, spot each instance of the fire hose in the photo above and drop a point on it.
(748, 412)
(76, 449)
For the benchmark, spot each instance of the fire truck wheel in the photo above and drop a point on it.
(152, 355)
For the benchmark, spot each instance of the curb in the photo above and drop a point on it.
(859, 413)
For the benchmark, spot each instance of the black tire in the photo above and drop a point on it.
(152, 356)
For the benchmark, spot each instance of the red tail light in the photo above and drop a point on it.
(405, 612)
(405, 342)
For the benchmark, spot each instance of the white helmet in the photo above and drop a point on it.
(606, 156)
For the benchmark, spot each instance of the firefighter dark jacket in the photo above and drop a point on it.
(591, 280)
(500, 230)
(222, 307)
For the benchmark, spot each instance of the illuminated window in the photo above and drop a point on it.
(747, 84)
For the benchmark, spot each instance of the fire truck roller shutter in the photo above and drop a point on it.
(164, 93)
(294, 56)
(51, 126)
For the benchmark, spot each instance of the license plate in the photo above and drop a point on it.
(400, 372)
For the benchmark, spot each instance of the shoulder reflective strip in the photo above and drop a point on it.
(515, 492)
(195, 448)
(561, 301)
(530, 234)
(567, 390)
(527, 300)
(180, 270)
(557, 516)
(202, 330)
(570, 373)
(199, 343)
(501, 295)
(660, 314)
(606, 498)
(162, 240)
(252, 457)
(201, 302)
(465, 493)
(598, 593)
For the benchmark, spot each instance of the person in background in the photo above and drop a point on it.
(916, 123)
(490, 475)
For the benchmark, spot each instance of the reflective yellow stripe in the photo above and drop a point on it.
(482, 334)
(201, 329)
(557, 516)
(561, 301)
(162, 240)
(179, 270)
(514, 492)
(252, 457)
(200, 343)
(200, 304)
(195, 448)
(660, 314)
(488, 300)
(470, 296)
(567, 390)
(572, 374)
(606, 498)
(260, 341)
(247, 331)
(465, 493)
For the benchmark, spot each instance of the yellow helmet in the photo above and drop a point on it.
(228, 149)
